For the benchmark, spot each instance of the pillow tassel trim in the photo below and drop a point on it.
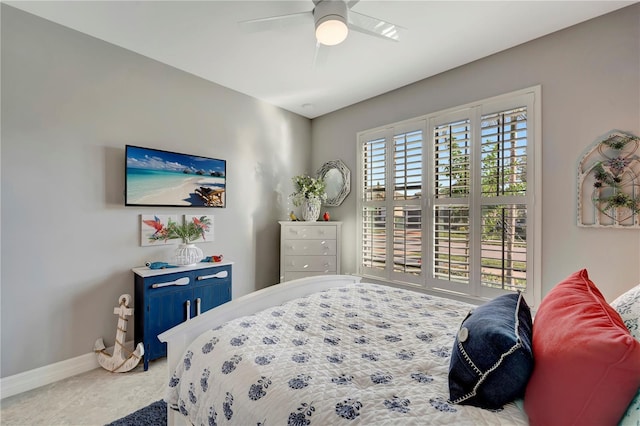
(486, 374)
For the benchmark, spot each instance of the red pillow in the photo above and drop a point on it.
(587, 364)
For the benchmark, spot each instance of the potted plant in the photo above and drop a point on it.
(188, 232)
(309, 193)
(187, 253)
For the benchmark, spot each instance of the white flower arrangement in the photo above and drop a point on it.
(308, 188)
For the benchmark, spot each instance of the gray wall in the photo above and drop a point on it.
(590, 77)
(70, 103)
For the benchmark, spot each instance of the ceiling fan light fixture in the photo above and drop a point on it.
(331, 31)
(331, 21)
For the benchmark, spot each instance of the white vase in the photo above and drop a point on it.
(188, 255)
(311, 209)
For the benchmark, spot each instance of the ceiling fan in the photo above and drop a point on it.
(333, 19)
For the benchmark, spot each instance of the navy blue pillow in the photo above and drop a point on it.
(492, 359)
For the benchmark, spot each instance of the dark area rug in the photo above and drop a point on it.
(153, 415)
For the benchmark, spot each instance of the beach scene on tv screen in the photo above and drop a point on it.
(162, 178)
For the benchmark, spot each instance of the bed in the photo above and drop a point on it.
(322, 350)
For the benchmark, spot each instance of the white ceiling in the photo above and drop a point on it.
(277, 66)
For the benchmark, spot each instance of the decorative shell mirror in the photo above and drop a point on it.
(337, 178)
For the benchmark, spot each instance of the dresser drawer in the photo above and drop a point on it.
(309, 247)
(167, 283)
(310, 263)
(212, 276)
(309, 232)
(288, 276)
(187, 279)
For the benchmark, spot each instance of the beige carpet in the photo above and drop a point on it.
(96, 397)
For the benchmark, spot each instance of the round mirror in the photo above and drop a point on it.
(337, 178)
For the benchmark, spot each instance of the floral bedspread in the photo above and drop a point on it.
(364, 353)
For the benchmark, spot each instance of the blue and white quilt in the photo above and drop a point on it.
(364, 353)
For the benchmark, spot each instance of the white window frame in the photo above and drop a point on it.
(529, 97)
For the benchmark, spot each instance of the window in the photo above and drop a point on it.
(447, 200)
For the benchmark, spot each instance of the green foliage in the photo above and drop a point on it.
(620, 199)
(602, 176)
(306, 188)
(495, 172)
(617, 142)
(188, 232)
(611, 180)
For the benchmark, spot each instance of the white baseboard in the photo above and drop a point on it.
(32, 379)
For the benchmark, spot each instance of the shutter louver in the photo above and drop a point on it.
(504, 153)
(374, 239)
(451, 243)
(374, 162)
(407, 166)
(504, 247)
(407, 239)
(452, 157)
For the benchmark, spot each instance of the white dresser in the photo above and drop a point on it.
(309, 248)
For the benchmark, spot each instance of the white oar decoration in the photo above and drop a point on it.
(119, 362)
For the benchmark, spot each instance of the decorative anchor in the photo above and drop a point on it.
(118, 362)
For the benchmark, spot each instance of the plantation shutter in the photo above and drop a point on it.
(446, 200)
(391, 201)
(504, 210)
(452, 186)
(407, 194)
(374, 177)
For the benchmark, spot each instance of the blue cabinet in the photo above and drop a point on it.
(166, 297)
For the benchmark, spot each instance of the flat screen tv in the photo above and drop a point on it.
(170, 179)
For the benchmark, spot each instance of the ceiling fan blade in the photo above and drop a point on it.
(320, 55)
(275, 22)
(374, 26)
